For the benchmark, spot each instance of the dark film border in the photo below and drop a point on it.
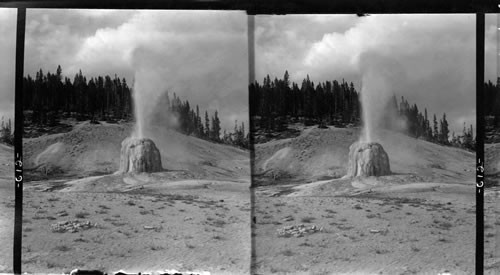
(261, 7)
(18, 140)
(273, 6)
(251, 79)
(480, 36)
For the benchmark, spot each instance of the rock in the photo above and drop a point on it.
(383, 232)
(139, 155)
(297, 231)
(367, 159)
(71, 226)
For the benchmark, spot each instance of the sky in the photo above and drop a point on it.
(8, 61)
(491, 47)
(201, 56)
(428, 59)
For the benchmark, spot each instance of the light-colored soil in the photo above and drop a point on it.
(90, 150)
(420, 220)
(492, 209)
(323, 153)
(492, 162)
(492, 231)
(196, 229)
(194, 215)
(7, 203)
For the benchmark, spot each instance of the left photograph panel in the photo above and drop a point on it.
(135, 141)
(7, 92)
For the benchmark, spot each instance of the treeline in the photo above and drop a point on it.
(330, 102)
(191, 122)
(6, 133)
(49, 97)
(491, 110)
(419, 125)
(492, 99)
(275, 103)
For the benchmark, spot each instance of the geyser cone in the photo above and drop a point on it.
(139, 155)
(367, 159)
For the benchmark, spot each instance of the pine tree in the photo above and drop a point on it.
(6, 135)
(216, 127)
(435, 136)
(59, 73)
(286, 79)
(196, 122)
(427, 127)
(207, 125)
(444, 130)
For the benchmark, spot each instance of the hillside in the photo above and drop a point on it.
(6, 206)
(492, 161)
(6, 161)
(94, 149)
(318, 154)
(396, 224)
(194, 215)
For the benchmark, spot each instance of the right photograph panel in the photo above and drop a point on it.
(491, 147)
(364, 140)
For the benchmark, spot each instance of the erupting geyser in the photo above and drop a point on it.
(139, 155)
(367, 159)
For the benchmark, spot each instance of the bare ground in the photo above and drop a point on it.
(194, 216)
(492, 209)
(7, 203)
(198, 228)
(425, 228)
(492, 231)
(420, 220)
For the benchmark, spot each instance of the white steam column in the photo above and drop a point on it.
(138, 153)
(366, 157)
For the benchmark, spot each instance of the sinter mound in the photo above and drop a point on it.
(139, 155)
(367, 159)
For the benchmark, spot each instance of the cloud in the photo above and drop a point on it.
(199, 55)
(434, 55)
(491, 48)
(8, 21)
(281, 42)
(54, 37)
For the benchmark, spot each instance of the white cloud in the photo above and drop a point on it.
(8, 57)
(431, 58)
(491, 48)
(199, 55)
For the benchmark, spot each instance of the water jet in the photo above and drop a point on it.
(366, 157)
